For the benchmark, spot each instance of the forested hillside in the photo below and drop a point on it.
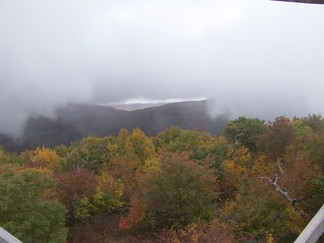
(256, 181)
(73, 122)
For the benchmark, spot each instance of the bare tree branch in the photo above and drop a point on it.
(278, 188)
(275, 184)
(32, 158)
(281, 170)
(156, 235)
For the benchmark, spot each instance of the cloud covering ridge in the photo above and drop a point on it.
(255, 57)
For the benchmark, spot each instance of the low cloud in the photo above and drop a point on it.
(254, 58)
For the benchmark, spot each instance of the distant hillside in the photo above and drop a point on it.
(76, 121)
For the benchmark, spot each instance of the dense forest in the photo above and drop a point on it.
(257, 181)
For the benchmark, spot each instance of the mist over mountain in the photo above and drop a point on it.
(257, 58)
(74, 121)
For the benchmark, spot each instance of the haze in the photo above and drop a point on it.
(255, 58)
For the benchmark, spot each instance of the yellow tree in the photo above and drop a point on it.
(140, 148)
(237, 168)
(43, 157)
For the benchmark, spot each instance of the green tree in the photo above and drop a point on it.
(245, 131)
(198, 145)
(314, 146)
(319, 182)
(86, 194)
(91, 153)
(118, 146)
(301, 130)
(178, 193)
(219, 153)
(24, 209)
(4, 156)
(315, 122)
(72, 186)
(106, 199)
(258, 212)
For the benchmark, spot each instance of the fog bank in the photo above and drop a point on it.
(255, 58)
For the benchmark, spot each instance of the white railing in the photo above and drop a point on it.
(314, 229)
(6, 237)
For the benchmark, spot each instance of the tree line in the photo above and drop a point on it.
(256, 181)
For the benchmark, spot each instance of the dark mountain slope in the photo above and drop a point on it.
(93, 119)
(76, 121)
(187, 115)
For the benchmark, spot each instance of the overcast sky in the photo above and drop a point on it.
(253, 57)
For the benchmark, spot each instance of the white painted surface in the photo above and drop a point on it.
(6, 237)
(314, 229)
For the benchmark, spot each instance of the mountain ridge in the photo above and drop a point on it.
(75, 121)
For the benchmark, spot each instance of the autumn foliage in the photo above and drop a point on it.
(256, 182)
